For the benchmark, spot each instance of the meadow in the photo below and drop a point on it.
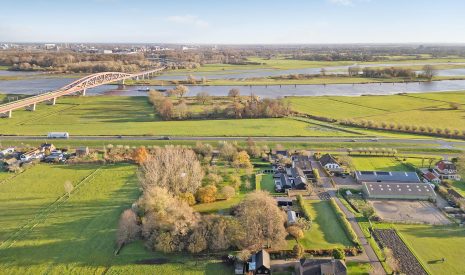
(113, 115)
(427, 109)
(432, 243)
(379, 164)
(77, 235)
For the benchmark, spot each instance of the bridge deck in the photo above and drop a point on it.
(82, 84)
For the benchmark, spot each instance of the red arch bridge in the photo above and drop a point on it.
(77, 87)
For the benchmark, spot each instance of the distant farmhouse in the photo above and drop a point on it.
(446, 170)
(296, 175)
(330, 164)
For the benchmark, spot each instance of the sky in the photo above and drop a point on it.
(233, 21)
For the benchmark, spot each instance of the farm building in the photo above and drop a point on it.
(298, 178)
(291, 217)
(431, 177)
(82, 151)
(382, 176)
(283, 201)
(446, 170)
(303, 163)
(260, 263)
(330, 163)
(398, 190)
(322, 267)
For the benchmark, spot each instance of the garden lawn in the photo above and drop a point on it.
(354, 268)
(113, 115)
(378, 164)
(432, 243)
(325, 232)
(267, 183)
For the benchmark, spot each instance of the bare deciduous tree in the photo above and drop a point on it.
(262, 220)
(128, 228)
(175, 168)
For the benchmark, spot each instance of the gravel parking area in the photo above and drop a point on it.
(409, 212)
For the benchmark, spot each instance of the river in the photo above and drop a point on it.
(40, 85)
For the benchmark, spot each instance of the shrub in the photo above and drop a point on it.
(339, 254)
(206, 194)
(228, 192)
(305, 210)
(344, 223)
(298, 251)
(295, 232)
(187, 197)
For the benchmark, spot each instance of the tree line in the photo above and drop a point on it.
(237, 107)
(73, 62)
(414, 129)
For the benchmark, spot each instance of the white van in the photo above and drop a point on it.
(58, 135)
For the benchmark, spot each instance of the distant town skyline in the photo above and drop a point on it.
(234, 22)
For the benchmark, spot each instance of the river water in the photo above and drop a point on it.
(40, 85)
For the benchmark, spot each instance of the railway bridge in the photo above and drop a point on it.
(77, 87)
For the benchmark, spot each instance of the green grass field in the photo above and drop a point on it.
(432, 243)
(325, 232)
(267, 183)
(112, 115)
(378, 164)
(354, 268)
(428, 109)
(78, 235)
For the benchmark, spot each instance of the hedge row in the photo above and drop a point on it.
(305, 210)
(344, 223)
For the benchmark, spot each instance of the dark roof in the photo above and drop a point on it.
(282, 152)
(322, 266)
(302, 162)
(285, 180)
(445, 164)
(399, 189)
(327, 158)
(430, 176)
(297, 172)
(382, 176)
(263, 259)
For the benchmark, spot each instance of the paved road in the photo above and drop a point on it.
(369, 254)
(426, 141)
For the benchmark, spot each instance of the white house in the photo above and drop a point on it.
(330, 164)
(446, 170)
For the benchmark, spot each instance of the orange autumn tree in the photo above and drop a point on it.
(140, 155)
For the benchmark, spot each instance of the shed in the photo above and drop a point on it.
(82, 151)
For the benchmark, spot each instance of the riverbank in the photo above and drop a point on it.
(274, 81)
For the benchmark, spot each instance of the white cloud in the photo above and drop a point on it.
(188, 20)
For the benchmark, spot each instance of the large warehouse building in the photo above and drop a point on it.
(399, 191)
(384, 176)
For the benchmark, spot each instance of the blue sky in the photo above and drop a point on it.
(233, 21)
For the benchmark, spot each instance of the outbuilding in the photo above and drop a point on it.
(399, 191)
